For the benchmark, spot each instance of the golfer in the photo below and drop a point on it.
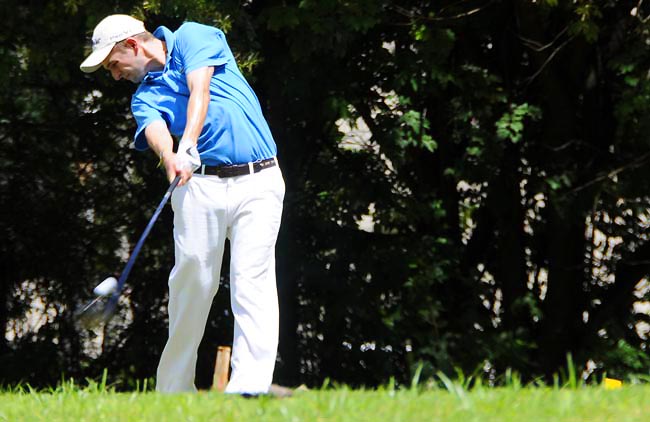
(190, 89)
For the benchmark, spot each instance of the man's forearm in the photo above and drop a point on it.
(159, 139)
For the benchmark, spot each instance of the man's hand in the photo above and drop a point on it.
(161, 142)
(182, 163)
(188, 156)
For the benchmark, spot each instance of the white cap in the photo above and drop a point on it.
(111, 30)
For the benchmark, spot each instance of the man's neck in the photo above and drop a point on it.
(158, 49)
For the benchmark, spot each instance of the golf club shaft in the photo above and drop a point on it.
(136, 250)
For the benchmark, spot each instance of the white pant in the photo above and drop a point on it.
(207, 210)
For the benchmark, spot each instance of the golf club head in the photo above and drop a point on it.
(95, 313)
(100, 310)
(106, 287)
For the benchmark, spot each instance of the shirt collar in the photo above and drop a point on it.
(162, 33)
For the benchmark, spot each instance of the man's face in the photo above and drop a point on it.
(126, 61)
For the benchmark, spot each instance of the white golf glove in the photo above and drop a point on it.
(188, 156)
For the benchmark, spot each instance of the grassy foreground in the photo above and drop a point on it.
(483, 404)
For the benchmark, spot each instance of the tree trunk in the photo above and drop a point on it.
(510, 270)
(562, 326)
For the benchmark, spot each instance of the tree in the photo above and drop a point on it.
(496, 131)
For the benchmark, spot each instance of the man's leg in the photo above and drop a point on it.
(199, 236)
(254, 230)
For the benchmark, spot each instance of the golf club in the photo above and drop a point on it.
(101, 309)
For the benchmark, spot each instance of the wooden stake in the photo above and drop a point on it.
(221, 369)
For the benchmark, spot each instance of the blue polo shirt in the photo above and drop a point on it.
(235, 130)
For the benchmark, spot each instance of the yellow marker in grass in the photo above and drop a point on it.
(612, 384)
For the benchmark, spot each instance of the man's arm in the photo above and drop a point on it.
(161, 143)
(198, 81)
(159, 138)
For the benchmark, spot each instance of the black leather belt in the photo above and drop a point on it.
(236, 169)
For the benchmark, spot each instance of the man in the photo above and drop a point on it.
(231, 187)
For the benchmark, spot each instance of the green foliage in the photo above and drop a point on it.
(414, 128)
(624, 360)
(511, 125)
(587, 15)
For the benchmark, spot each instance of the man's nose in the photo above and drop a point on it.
(116, 74)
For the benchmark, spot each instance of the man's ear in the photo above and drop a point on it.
(132, 43)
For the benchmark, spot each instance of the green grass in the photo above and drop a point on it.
(454, 403)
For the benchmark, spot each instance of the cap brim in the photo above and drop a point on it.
(95, 59)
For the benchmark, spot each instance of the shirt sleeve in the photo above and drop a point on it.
(144, 115)
(201, 45)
